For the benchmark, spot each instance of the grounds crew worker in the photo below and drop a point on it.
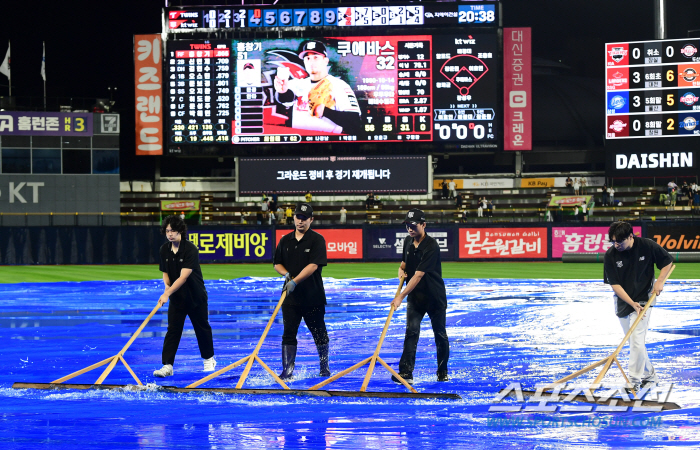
(426, 294)
(184, 285)
(629, 269)
(300, 257)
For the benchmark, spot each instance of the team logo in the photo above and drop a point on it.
(689, 123)
(619, 264)
(641, 258)
(303, 207)
(689, 50)
(617, 102)
(618, 126)
(617, 53)
(618, 79)
(689, 99)
(689, 74)
(332, 158)
(410, 214)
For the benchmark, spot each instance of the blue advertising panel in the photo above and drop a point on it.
(254, 245)
(387, 242)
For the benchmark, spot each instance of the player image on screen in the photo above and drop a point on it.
(319, 102)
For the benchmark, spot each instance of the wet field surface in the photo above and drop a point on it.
(500, 331)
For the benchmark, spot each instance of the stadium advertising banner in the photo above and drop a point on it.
(652, 163)
(148, 80)
(676, 238)
(379, 88)
(503, 243)
(179, 205)
(340, 243)
(569, 200)
(517, 89)
(13, 123)
(387, 243)
(342, 174)
(536, 182)
(236, 245)
(582, 239)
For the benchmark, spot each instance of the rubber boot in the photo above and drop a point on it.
(289, 355)
(323, 360)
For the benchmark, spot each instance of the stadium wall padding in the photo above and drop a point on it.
(139, 245)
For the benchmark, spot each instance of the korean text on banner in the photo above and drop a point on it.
(238, 245)
(497, 243)
(517, 87)
(582, 240)
(570, 200)
(340, 244)
(148, 80)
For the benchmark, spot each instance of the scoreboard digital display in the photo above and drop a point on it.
(653, 89)
(217, 18)
(389, 88)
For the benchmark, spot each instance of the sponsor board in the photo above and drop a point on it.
(570, 200)
(536, 182)
(387, 243)
(676, 239)
(582, 239)
(476, 243)
(340, 243)
(179, 205)
(14, 123)
(246, 245)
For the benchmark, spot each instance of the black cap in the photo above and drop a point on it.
(415, 216)
(313, 47)
(304, 209)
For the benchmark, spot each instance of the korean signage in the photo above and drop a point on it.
(340, 244)
(387, 243)
(342, 174)
(676, 239)
(582, 240)
(517, 89)
(22, 123)
(497, 243)
(248, 245)
(148, 79)
(570, 200)
(179, 205)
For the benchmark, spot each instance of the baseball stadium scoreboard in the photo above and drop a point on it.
(439, 83)
(653, 89)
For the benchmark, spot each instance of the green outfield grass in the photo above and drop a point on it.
(527, 270)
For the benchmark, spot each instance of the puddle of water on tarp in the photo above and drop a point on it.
(500, 331)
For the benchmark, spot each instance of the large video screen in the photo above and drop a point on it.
(408, 88)
(653, 89)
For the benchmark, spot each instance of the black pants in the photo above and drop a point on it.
(313, 318)
(414, 316)
(199, 316)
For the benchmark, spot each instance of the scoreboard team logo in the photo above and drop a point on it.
(618, 126)
(618, 79)
(689, 74)
(689, 123)
(689, 99)
(617, 53)
(617, 102)
(689, 50)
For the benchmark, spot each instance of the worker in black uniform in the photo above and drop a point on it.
(300, 257)
(629, 270)
(184, 286)
(426, 294)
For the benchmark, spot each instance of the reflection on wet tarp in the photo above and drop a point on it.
(500, 331)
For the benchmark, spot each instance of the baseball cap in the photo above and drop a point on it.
(304, 209)
(415, 216)
(313, 47)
